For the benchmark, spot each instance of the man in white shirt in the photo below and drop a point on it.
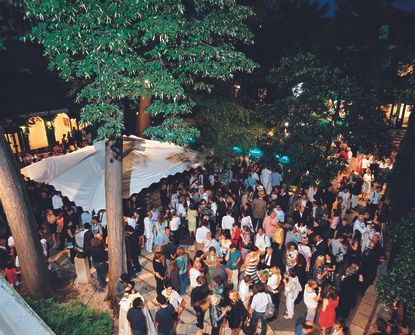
(259, 306)
(175, 228)
(57, 201)
(201, 234)
(194, 273)
(374, 198)
(172, 296)
(359, 225)
(262, 241)
(228, 220)
(148, 232)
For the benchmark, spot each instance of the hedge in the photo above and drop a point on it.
(72, 318)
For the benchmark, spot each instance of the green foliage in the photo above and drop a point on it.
(72, 318)
(308, 120)
(122, 49)
(225, 124)
(396, 285)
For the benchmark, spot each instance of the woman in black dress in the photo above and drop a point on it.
(349, 289)
(70, 230)
(159, 268)
(236, 314)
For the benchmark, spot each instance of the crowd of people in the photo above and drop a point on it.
(253, 242)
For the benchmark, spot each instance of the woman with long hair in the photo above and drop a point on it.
(327, 315)
(251, 264)
(236, 312)
(318, 270)
(159, 268)
(274, 286)
(246, 241)
(182, 261)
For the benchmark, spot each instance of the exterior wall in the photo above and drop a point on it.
(37, 133)
(62, 125)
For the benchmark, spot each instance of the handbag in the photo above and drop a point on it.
(246, 325)
(270, 310)
(339, 257)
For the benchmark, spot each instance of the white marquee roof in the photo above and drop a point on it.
(16, 316)
(80, 175)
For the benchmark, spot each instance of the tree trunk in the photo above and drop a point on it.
(13, 195)
(114, 217)
(143, 118)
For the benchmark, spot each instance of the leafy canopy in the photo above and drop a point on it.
(307, 116)
(123, 49)
(225, 123)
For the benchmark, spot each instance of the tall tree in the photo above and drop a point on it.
(307, 115)
(123, 49)
(15, 200)
(226, 122)
(17, 208)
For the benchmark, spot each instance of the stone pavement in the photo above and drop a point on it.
(360, 321)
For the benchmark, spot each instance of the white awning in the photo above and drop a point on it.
(16, 316)
(80, 175)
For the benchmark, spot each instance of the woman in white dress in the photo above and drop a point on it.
(367, 183)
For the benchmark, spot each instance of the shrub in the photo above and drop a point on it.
(396, 285)
(72, 318)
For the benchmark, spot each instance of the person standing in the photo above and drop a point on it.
(198, 299)
(164, 316)
(274, 283)
(266, 179)
(259, 207)
(136, 318)
(251, 264)
(216, 313)
(99, 260)
(175, 227)
(311, 299)
(328, 312)
(349, 289)
(292, 289)
(374, 199)
(148, 232)
(233, 258)
(236, 313)
(159, 268)
(259, 306)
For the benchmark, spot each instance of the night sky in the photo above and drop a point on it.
(408, 5)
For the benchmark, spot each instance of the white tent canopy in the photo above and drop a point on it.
(16, 316)
(80, 175)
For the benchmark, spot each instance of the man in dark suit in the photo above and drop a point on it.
(320, 248)
(270, 259)
(300, 216)
(283, 200)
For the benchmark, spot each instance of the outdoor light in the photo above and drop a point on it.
(256, 152)
(237, 150)
(297, 90)
(286, 124)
